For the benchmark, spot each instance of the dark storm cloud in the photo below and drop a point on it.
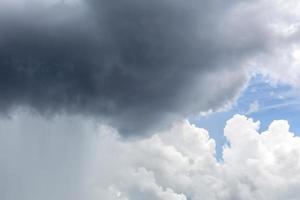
(135, 63)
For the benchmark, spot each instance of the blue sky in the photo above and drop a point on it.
(261, 100)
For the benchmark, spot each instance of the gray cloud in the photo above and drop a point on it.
(43, 159)
(137, 64)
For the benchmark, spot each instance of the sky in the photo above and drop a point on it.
(149, 100)
(261, 100)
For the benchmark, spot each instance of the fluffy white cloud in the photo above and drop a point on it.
(72, 158)
(180, 163)
(281, 19)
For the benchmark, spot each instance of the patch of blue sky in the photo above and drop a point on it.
(261, 101)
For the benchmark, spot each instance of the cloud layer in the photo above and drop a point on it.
(72, 158)
(122, 60)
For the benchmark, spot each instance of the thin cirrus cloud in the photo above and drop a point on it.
(120, 60)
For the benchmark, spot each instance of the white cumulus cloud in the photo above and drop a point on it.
(180, 163)
(67, 158)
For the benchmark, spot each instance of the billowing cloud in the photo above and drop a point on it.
(136, 64)
(283, 21)
(181, 162)
(73, 158)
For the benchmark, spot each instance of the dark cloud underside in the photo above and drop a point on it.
(135, 63)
